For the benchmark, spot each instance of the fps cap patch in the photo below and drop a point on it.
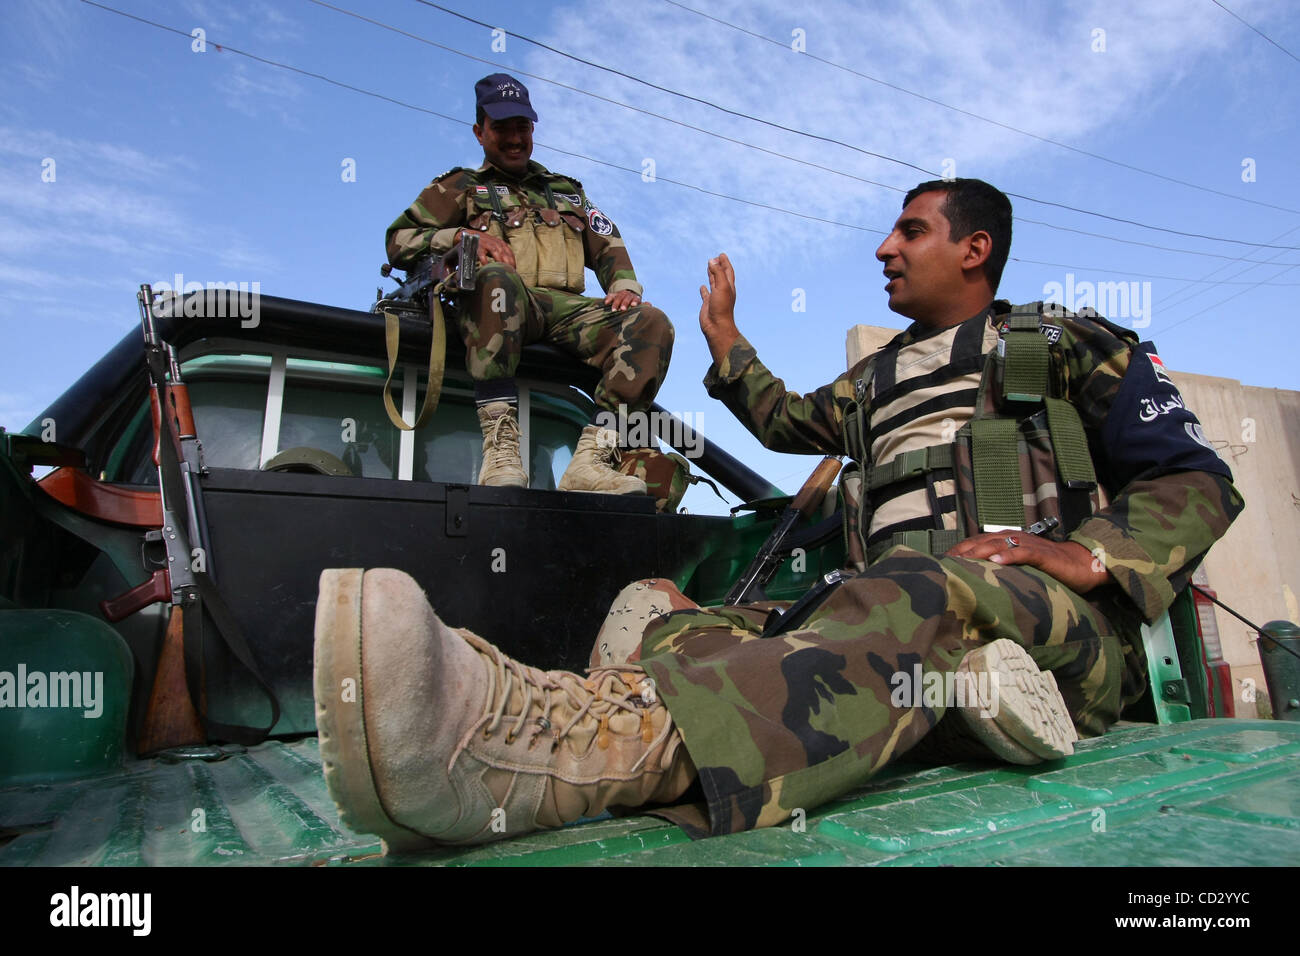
(501, 96)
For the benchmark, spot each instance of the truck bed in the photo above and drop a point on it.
(1202, 793)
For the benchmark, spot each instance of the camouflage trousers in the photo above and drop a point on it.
(792, 721)
(631, 348)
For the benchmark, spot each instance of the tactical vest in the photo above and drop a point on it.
(546, 240)
(1013, 453)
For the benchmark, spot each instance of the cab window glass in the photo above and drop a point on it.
(338, 409)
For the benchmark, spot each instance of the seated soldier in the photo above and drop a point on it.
(457, 743)
(538, 233)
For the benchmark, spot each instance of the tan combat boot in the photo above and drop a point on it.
(502, 462)
(1006, 709)
(592, 467)
(433, 736)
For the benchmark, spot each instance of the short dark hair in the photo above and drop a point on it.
(972, 205)
(479, 116)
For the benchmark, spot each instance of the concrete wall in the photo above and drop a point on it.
(1255, 569)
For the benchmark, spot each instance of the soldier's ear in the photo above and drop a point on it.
(979, 246)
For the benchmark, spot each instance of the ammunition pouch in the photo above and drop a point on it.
(667, 476)
(546, 243)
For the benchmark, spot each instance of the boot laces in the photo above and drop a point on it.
(608, 690)
(503, 437)
(608, 452)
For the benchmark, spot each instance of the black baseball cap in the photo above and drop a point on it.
(501, 96)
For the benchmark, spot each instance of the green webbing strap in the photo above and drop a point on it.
(928, 542)
(1027, 362)
(437, 362)
(853, 432)
(1070, 444)
(909, 464)
(995, 461)
(497, 213)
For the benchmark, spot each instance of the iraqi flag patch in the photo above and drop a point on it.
(1157, 366)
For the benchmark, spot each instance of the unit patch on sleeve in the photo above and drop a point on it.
(600, 223)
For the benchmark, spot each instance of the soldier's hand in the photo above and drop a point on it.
(1070, 563)
(490, 249)
(624, 299)
(718, 307)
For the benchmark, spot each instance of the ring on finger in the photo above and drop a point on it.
(1012, 542)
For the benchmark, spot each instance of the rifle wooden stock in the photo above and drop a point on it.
(170, 719)
(814, 490)
(749, 587)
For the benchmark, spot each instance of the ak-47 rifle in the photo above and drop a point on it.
(454, 272)
(176, 714)
(171, 718)
(749, 587)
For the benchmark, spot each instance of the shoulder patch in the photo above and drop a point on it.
(600, 223)
(451, 172)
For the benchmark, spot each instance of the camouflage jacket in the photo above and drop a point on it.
(1171, 496)
(461, 198)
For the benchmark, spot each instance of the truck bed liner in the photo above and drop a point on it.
(1206, 792)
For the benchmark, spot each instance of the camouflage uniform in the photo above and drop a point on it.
(793, 721)
(632, 348)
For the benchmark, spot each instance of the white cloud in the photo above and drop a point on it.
(1025, 67)
(255, 89)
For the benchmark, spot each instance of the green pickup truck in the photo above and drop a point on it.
(300, 469)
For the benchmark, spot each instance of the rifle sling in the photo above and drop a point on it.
(208, 602)
(437, 360)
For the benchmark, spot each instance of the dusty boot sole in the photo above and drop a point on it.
(341, 725)
(1019, 712)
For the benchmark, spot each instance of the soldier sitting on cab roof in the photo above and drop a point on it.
(538, 233)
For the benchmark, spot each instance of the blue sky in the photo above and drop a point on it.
(211, 164)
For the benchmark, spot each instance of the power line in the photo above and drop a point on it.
(1221, 302)
(1133, 242)
(836, 142)
(600, 162)
(496, 64)
(283, 66)
(1106, 270)
(1189, 292)
(982, 118)
(1257, 30)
